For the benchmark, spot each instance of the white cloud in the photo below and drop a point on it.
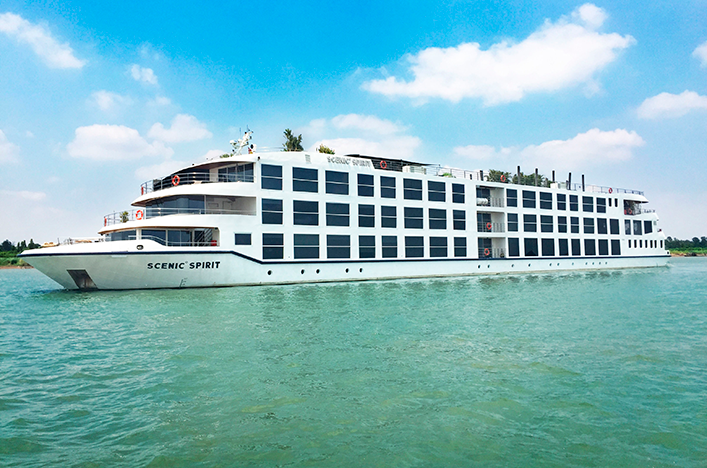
(666, 105)
(54, 54)
(592, 148)
(24, 194)
(159, 170)
(145, 75)
(107, 101)
(9, 152)
(184, 128)
(556, 56)
(113, 143)
(369, 123)
(701, 53)
(400, 147)
(160, 101)
(211, 154)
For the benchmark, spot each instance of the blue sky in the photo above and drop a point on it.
(96, 98)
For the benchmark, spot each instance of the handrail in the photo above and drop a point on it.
(190, 178)
(140, 214)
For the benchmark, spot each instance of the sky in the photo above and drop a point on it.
(97, 98)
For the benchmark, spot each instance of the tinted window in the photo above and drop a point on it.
(647, 227)
(413, 218)
(589, 247)
(637, 228)
(601, 226)
(531, 247)
(588, 204)
(545, 201)
(548, 246)
(616, 247)
(365, 185)
(546, 224)
(306, 245)
(457, 193)
(563, 247)
(414, 247)
(576, 251)
(601, 205)
(459, 219)
(271, 177)
(338, 246)
(511, 197)
(528, 199)
(512, 222)
(366, 246)
(530, 223)
(436, 191)
(574, 203)
(242, 239)
(460, 246)
(271, 211)
(389, 245)
(561, 201)
(562, 224)
(273, 246)
(337, 182)
(412, 189)
(304, 180)
(438, 247)
(574, 222)
(438, 219)
(388, 216)
(603, 247)
(387, 187)
(306, 213)
(589, 225)
(366, 215)
(513, 247)
(614, 226)
(337, 214)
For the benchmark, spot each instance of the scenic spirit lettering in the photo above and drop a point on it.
(183, 266)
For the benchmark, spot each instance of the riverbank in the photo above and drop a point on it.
(688, 253)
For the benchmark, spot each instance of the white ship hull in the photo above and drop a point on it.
(197, 268)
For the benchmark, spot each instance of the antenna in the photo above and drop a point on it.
(241, 143)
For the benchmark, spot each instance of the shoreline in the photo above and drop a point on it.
(15, 267)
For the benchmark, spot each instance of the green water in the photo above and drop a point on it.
(581, 369)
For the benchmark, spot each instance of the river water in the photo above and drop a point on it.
(561, 369)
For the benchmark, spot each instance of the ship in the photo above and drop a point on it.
(283, 217)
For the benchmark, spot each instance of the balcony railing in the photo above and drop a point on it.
(492, 202)
(491, 227)
(140, 214)
(491, 253)
(190, 178)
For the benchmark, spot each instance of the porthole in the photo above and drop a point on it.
(269, 272)
(513, 265)
(360, 270)
(139, 247)
(317, 270)
(479, 266)
(488, 266)
(302, 272)
(528, 264)
(347, 270)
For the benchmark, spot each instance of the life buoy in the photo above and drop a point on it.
(138, 215)
(611, 190)
(383, 164)
(503, 177)
(629, 211)
(105, 221)
(142, 190)
(487, 252)
(175, 180)
(489, 226)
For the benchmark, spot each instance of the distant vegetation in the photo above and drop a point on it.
(325, 149)
(525, 179)
(696, 246)
(10, 251)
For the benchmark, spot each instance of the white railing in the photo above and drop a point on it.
(140, 214)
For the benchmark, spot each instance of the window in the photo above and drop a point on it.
(304, 180)
(601, 205)
(601, 226)
(614, 226)
(387, 187)
(388, 217)
(338, 246)
(366, 246)
(123, 235)
(365, 185)
(457, 193)
(438, 247)
(511, 197)
(647, 227)
(576, 251)
(414, 247)
(337, 214)
(590, 247)
(337, 182)
(306, 212)
(637, 228)
(546, 224)
(561, 201)
(512, 222)
(531, 247)
(530, 223)
(589, 225)
(438, 219)
(271, 211)
(273, 246)
(574, 203)
(242, 239)
(588, 204)
(627, 227)
(271, 177)
(615, 247)
(412, 189)
(562, 224)
(237, 173)
(390, 246)
(545, 201)
(513, 247)
(563, 247)
(413, 218)
(306, 245)
(574, 225)
(366, 216)
(459, 217)
(460, 246)
(436, 191)
(178, 238)
(528, 199)
(603, 247)
(548, 246)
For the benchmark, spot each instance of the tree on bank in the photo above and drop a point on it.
(292, 143)
(8, 248)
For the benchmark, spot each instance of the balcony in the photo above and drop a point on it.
(140, 214)
(189, 178)
(491, 202)
(491, 253)
(490, 227)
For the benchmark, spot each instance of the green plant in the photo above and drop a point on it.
(292, 143)
(124, 217)
(325, 149)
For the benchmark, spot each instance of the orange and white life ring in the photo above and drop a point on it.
(138, 215)
(611, 190)
(503, 177)
(383, 164)
(489, 226)
(487, 252)
(175, 180)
